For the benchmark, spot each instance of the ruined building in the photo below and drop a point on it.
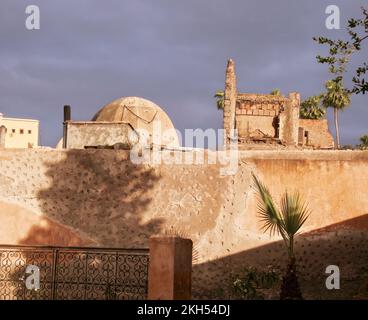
(269, 121)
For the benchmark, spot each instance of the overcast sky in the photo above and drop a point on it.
(173, 52)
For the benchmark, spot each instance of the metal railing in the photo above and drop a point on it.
(74, 273)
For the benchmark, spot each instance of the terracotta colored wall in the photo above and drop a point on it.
(24, 227)
(100, 198)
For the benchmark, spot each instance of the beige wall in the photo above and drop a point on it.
(21, 133)
(101, 198)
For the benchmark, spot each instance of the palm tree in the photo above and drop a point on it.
(338, 98)
(285, 222)
(220, 99)
(364, 142)
(310, 108)
(276, 92)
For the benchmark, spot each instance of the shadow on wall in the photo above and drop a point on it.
(100, 196)
(343, 244)
(93, 199)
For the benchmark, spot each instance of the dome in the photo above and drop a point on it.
(141, 114)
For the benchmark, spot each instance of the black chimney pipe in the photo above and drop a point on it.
(67, 117)
(67, 113)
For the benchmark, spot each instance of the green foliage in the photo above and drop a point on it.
(336, 95)
(287, 221)
(276, 92)
(311, 108)
(251, 282)
(360, 84)
(364, 142)
(340, 52)
(220, 99)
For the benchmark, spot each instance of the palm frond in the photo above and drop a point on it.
(220, 102)
(294, 213)
(219, 94)
(268, 212)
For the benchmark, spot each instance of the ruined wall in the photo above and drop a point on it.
(230, 95)
(255, 114)
(289, 120)
(259, 104)
(319, 135)
(99, 198)
(273, 119)
(255, 126)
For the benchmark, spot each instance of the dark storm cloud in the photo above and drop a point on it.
(88, 53)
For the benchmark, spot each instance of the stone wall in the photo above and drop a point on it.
(255, 126)
(289, 120)
(230, 96)
(99, 198)
(319, 135)
(256, 115)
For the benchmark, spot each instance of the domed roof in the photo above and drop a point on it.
(140, 114)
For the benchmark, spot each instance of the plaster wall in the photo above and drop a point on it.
(82, 134)
(100, 198)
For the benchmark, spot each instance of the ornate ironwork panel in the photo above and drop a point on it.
(74, 273)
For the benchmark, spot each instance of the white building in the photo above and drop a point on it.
(20, 133)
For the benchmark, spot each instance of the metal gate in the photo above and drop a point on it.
(74, 273)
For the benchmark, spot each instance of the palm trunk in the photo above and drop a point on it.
(336, 116)
(290, 289)
(291, 247)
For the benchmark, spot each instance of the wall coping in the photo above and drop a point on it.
(331, 155)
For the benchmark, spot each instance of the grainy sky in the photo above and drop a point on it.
(173, 52)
